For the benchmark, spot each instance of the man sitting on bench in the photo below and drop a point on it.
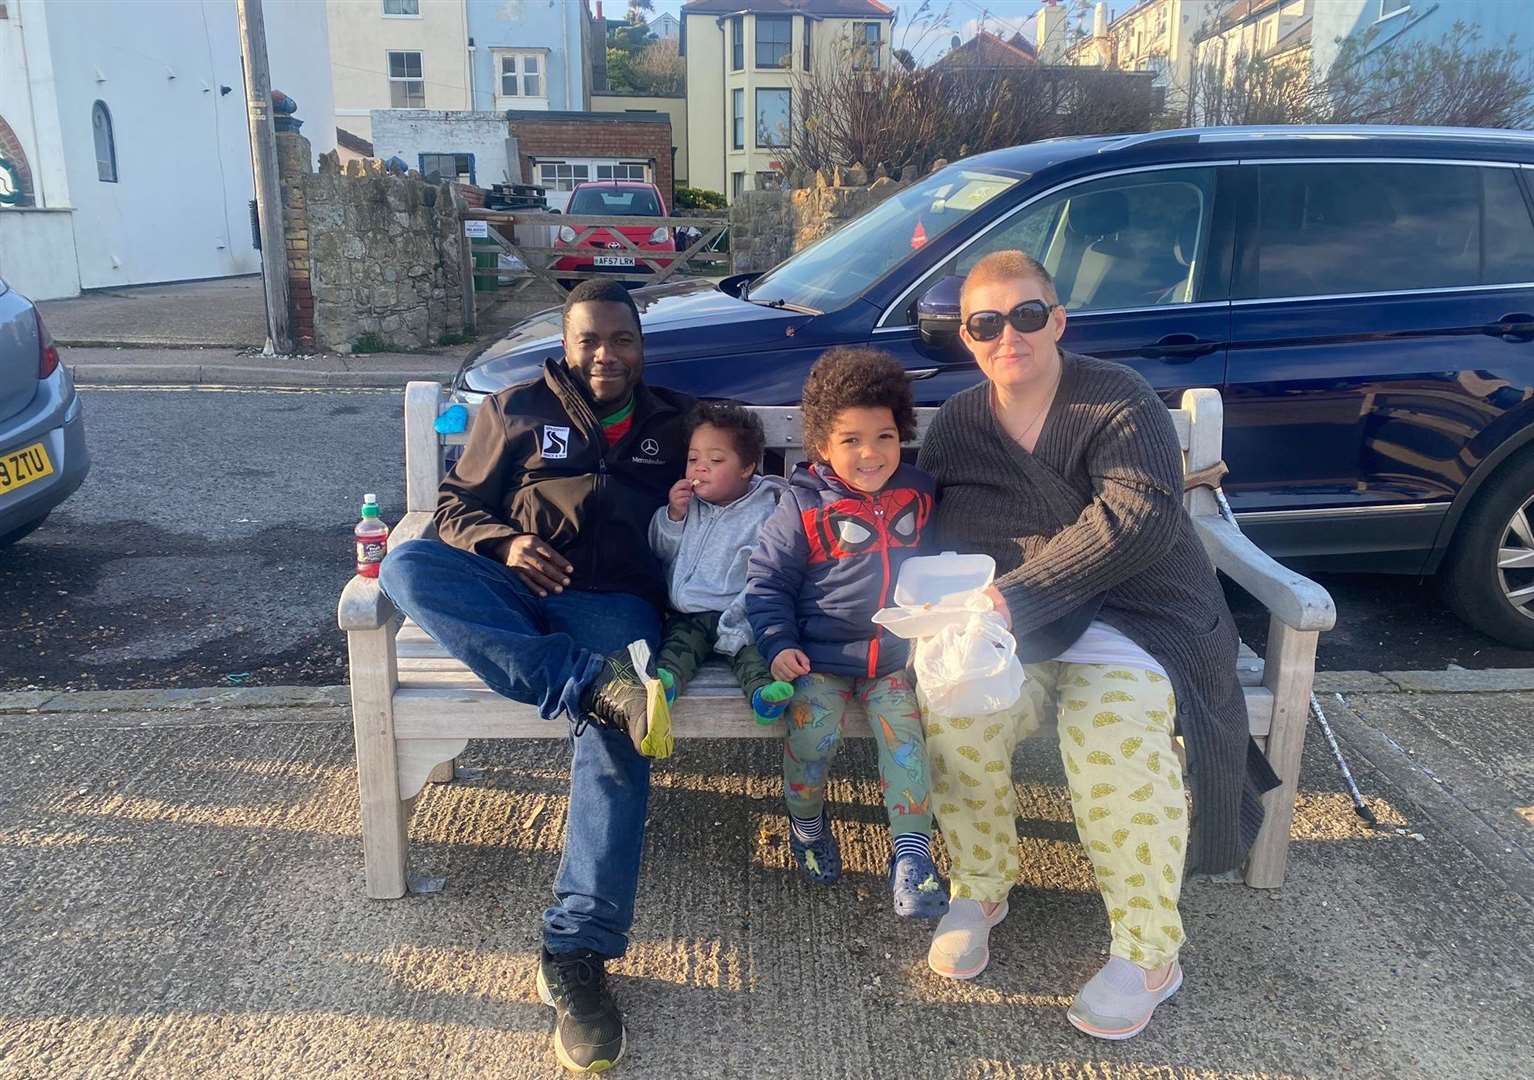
(542, 576)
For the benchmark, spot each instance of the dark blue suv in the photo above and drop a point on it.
(1362, 297)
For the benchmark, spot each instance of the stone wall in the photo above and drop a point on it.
(370, 254)
(767, 227)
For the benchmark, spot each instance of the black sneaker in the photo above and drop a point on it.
(616, 699)
(588, 1028)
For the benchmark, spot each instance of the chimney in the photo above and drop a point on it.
(599, 10)
(1050, 33)
(1099, 19)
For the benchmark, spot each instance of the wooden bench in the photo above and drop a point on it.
(414, 707)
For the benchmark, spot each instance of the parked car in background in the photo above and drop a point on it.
(43, 457)
(1363, 298)
(603, 250)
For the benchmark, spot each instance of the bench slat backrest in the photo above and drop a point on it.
(1198, 425)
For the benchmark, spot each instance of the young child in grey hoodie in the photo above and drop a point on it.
(704, 535)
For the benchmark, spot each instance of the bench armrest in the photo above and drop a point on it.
(1293, 599)
(363, 604)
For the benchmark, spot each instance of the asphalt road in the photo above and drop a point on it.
(212, 538)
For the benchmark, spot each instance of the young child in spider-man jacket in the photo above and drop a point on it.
(827, 560)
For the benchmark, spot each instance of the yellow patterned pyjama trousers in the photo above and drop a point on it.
(1116, 739)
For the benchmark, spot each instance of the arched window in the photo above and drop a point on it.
(106, 146)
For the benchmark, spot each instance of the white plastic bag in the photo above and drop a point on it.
(969, 668)
(965, 659)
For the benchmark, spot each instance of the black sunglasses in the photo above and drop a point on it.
(1027, 317)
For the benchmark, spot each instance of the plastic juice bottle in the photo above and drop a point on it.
(372, 538)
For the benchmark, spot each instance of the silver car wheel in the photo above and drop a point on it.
(1515, 561)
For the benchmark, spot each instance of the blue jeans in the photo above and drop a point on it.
(544, 651)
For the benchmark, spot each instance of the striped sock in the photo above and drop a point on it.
(807, 830)
(913, 844)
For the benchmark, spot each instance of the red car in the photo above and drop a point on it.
(602, 249)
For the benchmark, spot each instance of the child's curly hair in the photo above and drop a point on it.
(854, 377)
(742, 425)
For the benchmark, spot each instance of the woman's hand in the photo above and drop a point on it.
(999, 605)
(789, 664)
(678, 500)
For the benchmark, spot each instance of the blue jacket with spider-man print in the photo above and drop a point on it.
(827, 560)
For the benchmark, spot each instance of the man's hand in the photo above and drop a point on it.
(678, 499)
(539, 565)
(789, 664)
(999, 604)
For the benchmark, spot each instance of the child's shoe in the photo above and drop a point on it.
(1118, 1001)
(768, 702)
(667, 680)
(820, 859)
(919, 893)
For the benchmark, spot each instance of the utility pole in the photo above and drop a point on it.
(263, 161)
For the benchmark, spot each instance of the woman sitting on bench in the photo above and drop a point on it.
(1067, 471)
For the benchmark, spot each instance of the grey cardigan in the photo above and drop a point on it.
(1096, 510)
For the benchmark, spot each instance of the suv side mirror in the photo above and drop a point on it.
(937, 314)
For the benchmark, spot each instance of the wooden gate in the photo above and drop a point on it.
(699, 257)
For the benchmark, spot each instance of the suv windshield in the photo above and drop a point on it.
(834, 271)
(640, 202)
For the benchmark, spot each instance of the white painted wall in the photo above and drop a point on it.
(412, 132)
(37, 253)
(179, 208)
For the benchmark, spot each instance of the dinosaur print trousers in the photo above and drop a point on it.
(1116, 739)
(814, 721)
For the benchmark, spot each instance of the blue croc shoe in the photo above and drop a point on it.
(918, 891)
(819, 860)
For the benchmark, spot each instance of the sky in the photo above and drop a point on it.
(933, 37)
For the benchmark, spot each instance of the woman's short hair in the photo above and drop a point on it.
(1007, 266)
(742, 425)
(855, 377)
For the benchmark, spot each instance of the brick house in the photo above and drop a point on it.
(561, 149)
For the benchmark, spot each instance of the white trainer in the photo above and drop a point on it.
(961, 944)
(1118, 1001)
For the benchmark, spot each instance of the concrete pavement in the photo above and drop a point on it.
(186, 367)
(221, 312)
(182, 897)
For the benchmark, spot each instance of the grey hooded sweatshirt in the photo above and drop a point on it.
(705, 555)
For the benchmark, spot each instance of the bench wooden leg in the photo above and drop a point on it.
(443, 773)
(1289, 672)
(385, 817)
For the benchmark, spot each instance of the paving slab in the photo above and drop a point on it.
(183, 898)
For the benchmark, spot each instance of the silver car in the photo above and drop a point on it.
(42, 433)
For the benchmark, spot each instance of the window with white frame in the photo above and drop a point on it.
(1390, 7)
(407, 85)
(562, 175)
(522, 79)
(410, 8)
(737, 119)
(624, 170)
